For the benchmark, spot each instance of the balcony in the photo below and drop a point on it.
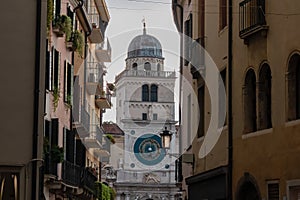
(94, 78)
(103, 51)
(98, 26)
(71, 173)
(94, 139)
(142, 73)
(81, 121)
(252, 18)
(104, 152)
(89, 179)
(103, 101)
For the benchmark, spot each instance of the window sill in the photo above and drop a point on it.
(257, 133)
(292, 123)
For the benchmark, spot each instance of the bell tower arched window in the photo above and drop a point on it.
(145, 93)
(134, 66)
(249, 95)
(154, 93)
(147, 66)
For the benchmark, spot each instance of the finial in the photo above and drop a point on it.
(144, 24)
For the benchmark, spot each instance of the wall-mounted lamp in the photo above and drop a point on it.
(166, 137)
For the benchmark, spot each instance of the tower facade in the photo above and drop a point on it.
(145, 106)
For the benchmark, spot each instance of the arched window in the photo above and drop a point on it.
(145, 93)
(158, 67)
(249, 94)
(264, 95)
(147, 66)
(134, 66)
(154, 93)
(293, 79)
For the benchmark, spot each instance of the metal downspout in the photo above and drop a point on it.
(230, 127)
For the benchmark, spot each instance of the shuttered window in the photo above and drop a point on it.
(273, 191)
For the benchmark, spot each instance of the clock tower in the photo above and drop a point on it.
(145, 106)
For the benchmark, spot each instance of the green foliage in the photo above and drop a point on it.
(111, 138)
(56, 97)
(104, 192)
(49, 13)
(69, 100)
(64, 24)
(78, 41)
(57, 154)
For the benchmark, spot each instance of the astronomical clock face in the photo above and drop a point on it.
(148, 149)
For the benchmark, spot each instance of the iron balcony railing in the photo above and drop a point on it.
(50, 166)
(96, 19)
(96, 131)
(252, 15)
(85, 118)
(89, 179)
(71, 173)
(142, 73)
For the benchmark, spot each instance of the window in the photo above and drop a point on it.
(158, 67)
(223, 14)
(222, 99)
(189, 117)
(48, 66)
(188, 31)
(273, 191)
(134, 66)
(264, 96)
(55, 69)
(293, 81)
(68, 83)
(145, 93)
(57, 8)
(201, 99)
(249, 93)
(144, 116)
(153, 93)
(10, 185)
(155, 116)
(147, 66)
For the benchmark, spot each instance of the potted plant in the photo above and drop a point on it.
(111, 138)
(57, 154)
(62, 25)
(76, 42)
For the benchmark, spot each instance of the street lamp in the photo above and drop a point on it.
(166, 137)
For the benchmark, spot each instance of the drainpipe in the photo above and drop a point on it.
(35, 175)
(230, 127)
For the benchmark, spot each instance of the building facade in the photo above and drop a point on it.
(203, 28)
(265, 100)
(75, 148)
(258, 41)
(21, 115)
(145, 106)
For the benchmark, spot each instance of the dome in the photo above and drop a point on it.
(144, 46)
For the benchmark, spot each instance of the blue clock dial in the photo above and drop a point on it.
(147, 149)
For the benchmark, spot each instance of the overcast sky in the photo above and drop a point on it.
(126, 23)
